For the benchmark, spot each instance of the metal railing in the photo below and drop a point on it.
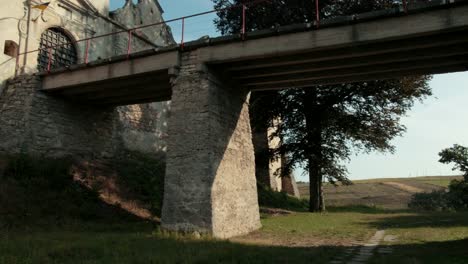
(135, 32)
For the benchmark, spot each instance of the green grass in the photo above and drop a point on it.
(329, 226)
(426, 238)
(270, 198)
(422, 238)
(142, 246)
(47, 218)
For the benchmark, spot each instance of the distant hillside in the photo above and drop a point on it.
(392, 193)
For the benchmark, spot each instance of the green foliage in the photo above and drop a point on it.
(433, 201)
(457, 196)
(269, 198)
(143, 176)
(457, 155)
(323, 125)
(275, 13)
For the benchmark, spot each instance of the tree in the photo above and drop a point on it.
(456, 198)
(321, 126)
(458, 189)
(457, 154)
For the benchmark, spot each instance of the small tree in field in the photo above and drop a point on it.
(457, 155)
(458, 189)
(457, 196)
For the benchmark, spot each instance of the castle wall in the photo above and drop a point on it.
(146, 12)
(144, 127)
(140, 127)
(33, 122)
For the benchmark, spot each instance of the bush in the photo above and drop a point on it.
(457, 196)
(434, 201)
(455, 199)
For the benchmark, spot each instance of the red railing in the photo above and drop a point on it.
(133, 33)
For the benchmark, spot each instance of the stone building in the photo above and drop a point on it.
(35, 121)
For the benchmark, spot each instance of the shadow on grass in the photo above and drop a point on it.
(118, 246)
(423, 219)
(142, 247)
(363, 209)
(450, 252)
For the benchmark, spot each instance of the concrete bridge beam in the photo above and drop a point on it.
(210, 175)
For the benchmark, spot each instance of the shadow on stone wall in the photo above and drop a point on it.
(210, 177)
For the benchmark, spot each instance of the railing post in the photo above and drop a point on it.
(87, 51)
(243, 22)
(317, 13)
(17, 62)
(49, 64)
(129, 44)
(183, 34)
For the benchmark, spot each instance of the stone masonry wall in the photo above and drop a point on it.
(210, 181)
(143, 127)
(33, 122)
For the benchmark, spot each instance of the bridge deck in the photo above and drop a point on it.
(428, 41)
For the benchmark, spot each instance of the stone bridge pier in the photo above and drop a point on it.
(210, 177)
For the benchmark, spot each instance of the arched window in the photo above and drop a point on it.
(57, 46)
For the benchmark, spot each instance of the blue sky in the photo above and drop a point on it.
(194, 27)
(437, 123)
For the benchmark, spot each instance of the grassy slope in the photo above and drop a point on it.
(49, 223)
(422, 238)
(46, 217)
(380, 192)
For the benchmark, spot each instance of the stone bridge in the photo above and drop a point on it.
(210, 179)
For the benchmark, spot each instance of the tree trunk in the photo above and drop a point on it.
(314, 186)
(314, 140)
(322, 196)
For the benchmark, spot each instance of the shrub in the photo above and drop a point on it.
(458, 194)
(434, 201)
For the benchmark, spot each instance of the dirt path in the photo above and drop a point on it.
(404, 187)
(364, 253)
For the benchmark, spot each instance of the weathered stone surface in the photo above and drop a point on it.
(143, 127)
(210, 175)
(47, 125)
(35, 123)
(266, 170)
(289, 186)
(81, 20)
(145, 12)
